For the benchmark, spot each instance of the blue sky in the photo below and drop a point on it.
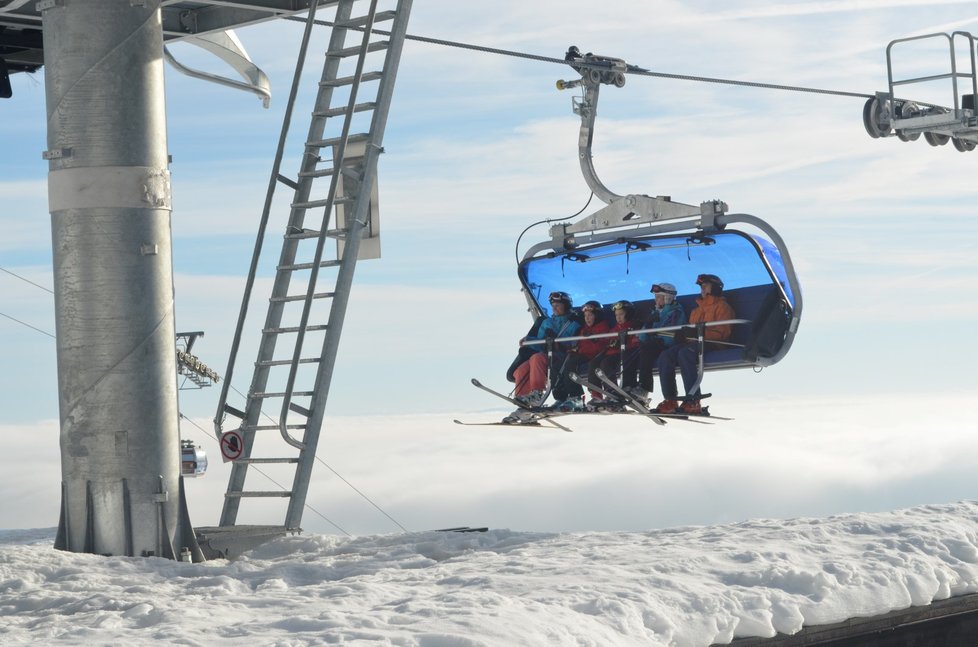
(478, 146)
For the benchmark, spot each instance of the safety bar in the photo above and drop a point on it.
(673, 329)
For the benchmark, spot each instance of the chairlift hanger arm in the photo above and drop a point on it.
(621, 210)
(594, 71)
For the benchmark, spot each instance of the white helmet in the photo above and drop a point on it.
(667, 290)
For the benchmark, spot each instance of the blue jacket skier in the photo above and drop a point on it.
(667, 312)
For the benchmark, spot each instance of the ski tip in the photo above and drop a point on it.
(476, 382)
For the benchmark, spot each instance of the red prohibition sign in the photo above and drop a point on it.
(232, 445)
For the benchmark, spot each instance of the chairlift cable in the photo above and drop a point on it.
(14, 274)
(23, 323)
(631, 69)
(751, 84)
(366, 498)
(43, 332)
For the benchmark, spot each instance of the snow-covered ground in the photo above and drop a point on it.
(682, 587)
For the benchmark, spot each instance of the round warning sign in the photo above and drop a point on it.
(232, 445)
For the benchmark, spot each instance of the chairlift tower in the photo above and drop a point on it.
(110, 204)
(109, 198)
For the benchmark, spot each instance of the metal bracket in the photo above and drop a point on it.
(188, 20)
(56, 153)
(44, 5)
(709, 211)
(227, 47)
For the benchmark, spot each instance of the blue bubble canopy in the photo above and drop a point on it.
(758, 279)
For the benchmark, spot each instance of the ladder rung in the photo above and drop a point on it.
(366, 77)
(300, 410)
(302, 233)
(238, 413)
(312, 204)
(341, 110)
(306, 266)
(337, 233)
(264, 396)
(287, 181)
(266, 461)
(332, 141)
(321, 172)
(380, 16)
(315, 204)
(285, 329)
(288, 362)
(256, 493)
(353, 51)
(302, 297)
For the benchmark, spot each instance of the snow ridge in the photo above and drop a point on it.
(680, 587)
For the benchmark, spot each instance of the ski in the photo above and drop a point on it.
(692, 417)
(627, 403)
(529, 423)
(537, 413)
(533, 422)
(516, 403)
(678, 415)
(622, 394)
(613, 403)
(639, 406)
(633, 406)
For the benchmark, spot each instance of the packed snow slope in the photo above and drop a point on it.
(682, 587)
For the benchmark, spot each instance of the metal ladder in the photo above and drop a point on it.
(331, 200)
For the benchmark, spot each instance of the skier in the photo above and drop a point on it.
(567, 392)
(531, 376)
(710, 306)
(667, 312)
(612, 359)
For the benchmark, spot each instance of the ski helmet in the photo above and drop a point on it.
(592, 306)
(562, 296)
(627, 306)
(714, 280)
(667, 290)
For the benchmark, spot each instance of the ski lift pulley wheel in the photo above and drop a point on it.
(876, 118)
(936, 139)
(906, 110)
(963, 145)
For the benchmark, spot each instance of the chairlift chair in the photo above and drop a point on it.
(619, 251)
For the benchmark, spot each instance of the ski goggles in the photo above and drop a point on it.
(658, 289)
(560, 296)
(591, 308)
(709, 278)
(621, 305)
